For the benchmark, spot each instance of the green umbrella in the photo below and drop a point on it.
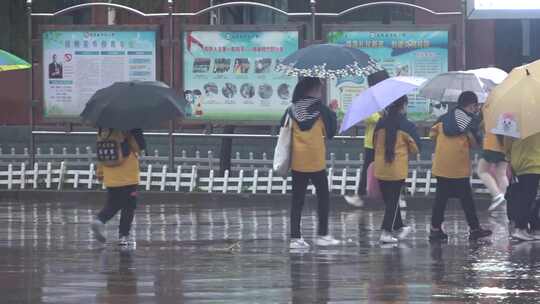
(10, 62)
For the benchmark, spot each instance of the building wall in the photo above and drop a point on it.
(480, 46)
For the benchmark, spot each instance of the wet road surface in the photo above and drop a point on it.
(186, 254)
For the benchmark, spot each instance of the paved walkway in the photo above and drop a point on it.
(187, 254)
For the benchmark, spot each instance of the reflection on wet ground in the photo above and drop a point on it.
(186, 254)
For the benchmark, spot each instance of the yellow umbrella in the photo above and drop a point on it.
(513, 107)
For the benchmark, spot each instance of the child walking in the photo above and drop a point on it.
(118, 169)
(394, 140)
(312, 121)
(454, 134)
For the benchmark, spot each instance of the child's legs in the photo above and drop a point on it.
(112, 206)
(129, 204)
(487, 179)
(502, 177)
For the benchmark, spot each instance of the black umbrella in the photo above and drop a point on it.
(328, 61)
(133, 105)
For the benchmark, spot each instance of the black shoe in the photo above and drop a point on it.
(437, 235)
(479, 233)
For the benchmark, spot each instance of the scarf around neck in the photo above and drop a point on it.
(306, 111)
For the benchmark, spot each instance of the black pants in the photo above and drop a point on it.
(392, 214)
(300, 182)
(454, 188)
(534, 218)
(369, 157)
(523, 201)
(122, 199)
(510, 201)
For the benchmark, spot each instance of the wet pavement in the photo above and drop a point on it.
(189, 254)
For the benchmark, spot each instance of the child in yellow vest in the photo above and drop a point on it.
(118, 169)
(312, 123)
(455, 134)
(395, 140)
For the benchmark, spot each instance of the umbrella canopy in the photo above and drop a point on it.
(513, 107)
(328, 61)
(133, 105)
(10, 62)
(378, 97)
(447, 87)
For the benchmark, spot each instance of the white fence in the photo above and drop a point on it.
(193, 179)
(210, 161)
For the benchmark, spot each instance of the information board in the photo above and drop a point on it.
(401, 53)
(231, 76)
(78, 63)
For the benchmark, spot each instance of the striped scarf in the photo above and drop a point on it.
(305, 109)
(463, 120)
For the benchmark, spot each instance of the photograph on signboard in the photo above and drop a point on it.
(247, 90)
(229, 90)
(241, 65)
(263, 65)
(201, 65)
(55, 68)
(242, 84)
(78, 63)
(284, 91)
(222, 65)
(420, 53)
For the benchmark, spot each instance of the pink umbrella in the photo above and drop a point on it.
(378, 97)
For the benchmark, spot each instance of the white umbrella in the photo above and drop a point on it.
(378, 97)
(447, 87)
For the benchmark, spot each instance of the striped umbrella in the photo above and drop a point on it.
(10, 62)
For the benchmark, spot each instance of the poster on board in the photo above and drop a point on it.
(231, 76)
(402, 53)
(78, 63)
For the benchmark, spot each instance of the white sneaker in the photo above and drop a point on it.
(402, 203)
(124, 241)
(354, 200)
(98, 228)
(387, 238)
(522, 235)
(326, 240)
(403, 232)
(535, 234)
(497, 202)
(298, 244)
